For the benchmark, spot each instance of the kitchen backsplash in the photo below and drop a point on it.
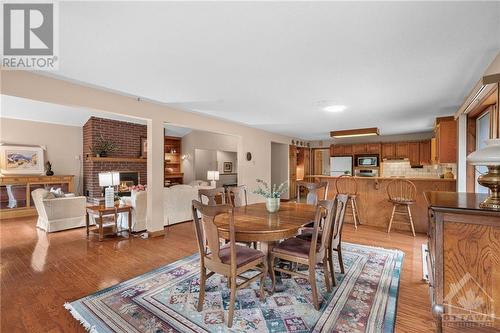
(403, 169)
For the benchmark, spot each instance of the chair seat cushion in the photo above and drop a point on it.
(402, 201)
(295, 247)
(244, 255)
(307, 234)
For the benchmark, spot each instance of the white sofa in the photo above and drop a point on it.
(138, 201)
(177, 203)
(58, 213)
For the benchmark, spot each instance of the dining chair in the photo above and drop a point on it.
(230, 260)
(401, 193)
(305, 252)
(312, 196)
(211, 195)
(347, 184)
(335, 239)
(237, 195)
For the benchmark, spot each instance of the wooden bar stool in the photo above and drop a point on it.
(347, 184)
(401, 192)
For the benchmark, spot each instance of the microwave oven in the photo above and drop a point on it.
(367, 161)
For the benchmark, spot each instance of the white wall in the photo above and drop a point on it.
(63, 143)
(279, 164)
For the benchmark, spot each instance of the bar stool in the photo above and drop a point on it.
(401, 192)
(347, 184)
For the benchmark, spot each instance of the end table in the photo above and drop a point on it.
(101, 211)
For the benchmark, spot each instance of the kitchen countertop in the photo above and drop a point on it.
(389, 178)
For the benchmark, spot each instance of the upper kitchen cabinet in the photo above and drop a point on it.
(366, 148)
(373, 148)
(388, 150)
(425, 152)
(340, 150)
(359, 148)
(414, 153)
(446, 140)
(402, 150)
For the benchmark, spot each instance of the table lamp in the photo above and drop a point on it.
(213, 176)
(490, 157)
(109, 180)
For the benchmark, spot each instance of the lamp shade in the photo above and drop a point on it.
(212, 175)
(489, 155)
(109, 178)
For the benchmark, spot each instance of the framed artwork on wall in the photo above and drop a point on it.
(21, 160)
(144, 147)
(228, 167)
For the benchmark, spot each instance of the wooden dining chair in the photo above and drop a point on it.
(347, 184)
(305, 252)
(401, 193)
(230, 260)
(212, 194)
(335, 238)
(237, 195)
(313, 189)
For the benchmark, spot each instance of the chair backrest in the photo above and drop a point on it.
(237, 195)
(38, 195)
(140, 204)
(211, 194)
(338, 222)
(312, 197)
(401, 190)
(346, 184)
(207, 232)
(324, 213)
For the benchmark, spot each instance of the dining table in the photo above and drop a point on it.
(253, 223)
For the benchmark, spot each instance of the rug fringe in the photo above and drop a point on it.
(77, 316)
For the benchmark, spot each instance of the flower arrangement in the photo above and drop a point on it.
(137, 188)
(270, 192)
(103, 147)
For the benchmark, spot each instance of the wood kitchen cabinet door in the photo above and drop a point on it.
(347, 149)
(414, 153)
(425, 152)
(402, 150)
(388, 150)
(446, 141)
(373, 148)
(292, 184)
(359, 149)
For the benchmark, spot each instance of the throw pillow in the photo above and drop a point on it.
(57, 192)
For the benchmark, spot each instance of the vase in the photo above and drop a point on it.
(272, 205)
(49, 173)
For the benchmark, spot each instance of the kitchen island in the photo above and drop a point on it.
(374, 207)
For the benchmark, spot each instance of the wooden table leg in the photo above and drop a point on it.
(87, 217)
(101, 232)
(129, 222)
(266, 248)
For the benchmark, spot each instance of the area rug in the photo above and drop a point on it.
(164, 300)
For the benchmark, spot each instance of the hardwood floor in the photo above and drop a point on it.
(40, 272)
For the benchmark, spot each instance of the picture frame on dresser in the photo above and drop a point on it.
(21, 160)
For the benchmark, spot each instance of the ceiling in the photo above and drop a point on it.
(275, 65)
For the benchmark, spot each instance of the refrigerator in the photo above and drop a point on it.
(339, 165)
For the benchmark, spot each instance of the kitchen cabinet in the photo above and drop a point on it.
(414, 153)
(446, 140)
(402, 150)
(359, 149)
(340, 150)
(425, 152)
(388, 150)
(373, 148)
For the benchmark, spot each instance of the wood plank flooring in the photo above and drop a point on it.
(40, 272)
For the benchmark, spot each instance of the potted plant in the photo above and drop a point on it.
(272, 194)
(102, 147)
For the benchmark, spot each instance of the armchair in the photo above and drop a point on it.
(138, 201)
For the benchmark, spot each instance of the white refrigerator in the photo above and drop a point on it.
(339, 165)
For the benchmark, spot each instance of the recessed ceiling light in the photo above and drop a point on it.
(335, 108)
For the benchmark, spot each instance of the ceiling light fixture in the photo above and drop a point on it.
(355, 132)
(335, 108)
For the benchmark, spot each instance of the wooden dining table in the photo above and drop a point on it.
(253, 223)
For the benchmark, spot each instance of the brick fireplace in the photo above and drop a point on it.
(127, 137)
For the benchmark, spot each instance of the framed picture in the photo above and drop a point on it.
(21, 160)
(144, 147)
(228, 167)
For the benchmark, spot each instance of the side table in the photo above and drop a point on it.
(101, 211)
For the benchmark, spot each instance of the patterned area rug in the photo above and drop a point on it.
(164, 300)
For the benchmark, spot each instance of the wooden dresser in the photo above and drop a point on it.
(21, 188)
(463, 260)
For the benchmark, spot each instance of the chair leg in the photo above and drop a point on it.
(357, 210)
(332, 267)
(262, 280)
(312, 281)
(232, 299)
(201, 297)
(341, 261)
(326, 273)
(273, 274)
(392, 217)
(411, 220)
(354, 214)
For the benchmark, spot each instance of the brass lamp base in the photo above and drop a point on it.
(491, 180)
